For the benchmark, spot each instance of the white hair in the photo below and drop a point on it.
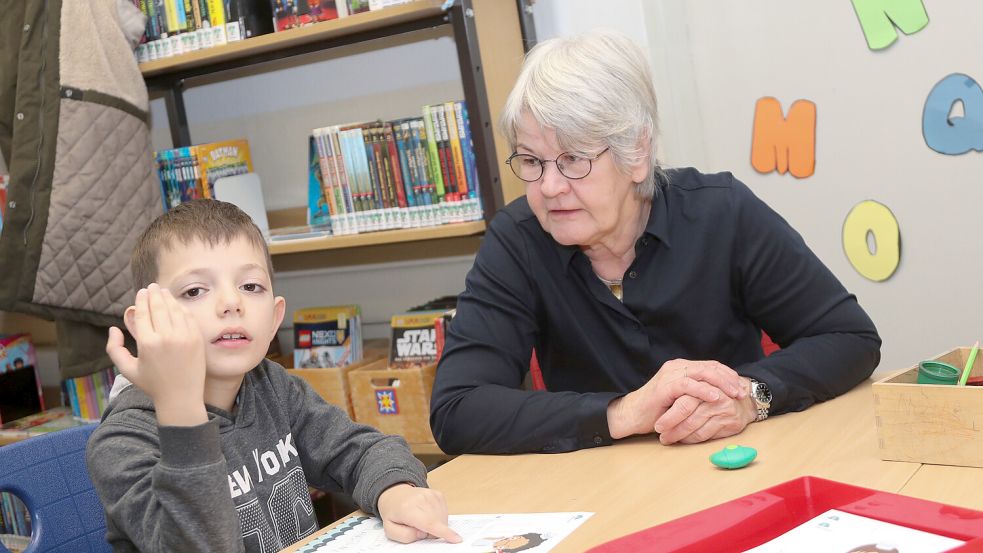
(594, 90)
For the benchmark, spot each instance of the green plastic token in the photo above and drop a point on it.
(734, 457)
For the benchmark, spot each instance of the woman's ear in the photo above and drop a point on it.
(641, 170)
(129, 319)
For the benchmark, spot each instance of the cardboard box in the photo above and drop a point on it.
(926, 423)
(333, 383)
(396, 401)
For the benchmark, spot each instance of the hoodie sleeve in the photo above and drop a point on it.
(163, 490)
(340, 454)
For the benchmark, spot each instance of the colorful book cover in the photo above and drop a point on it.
(414, 339)
(318, 207)
(433, 151)
(385, 173)
(288, 14)
(222, 159)
(401, 134)
(454, 143)
(443, 148)
(393, 165)
(372, 166)
(325, 166)
(467, 146)
(326, 337)
(429, 173)
(343, 191)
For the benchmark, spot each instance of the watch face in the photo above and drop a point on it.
(762, 393)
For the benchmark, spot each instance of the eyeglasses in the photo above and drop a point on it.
(572, 166)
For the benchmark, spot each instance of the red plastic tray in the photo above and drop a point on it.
(752, 520)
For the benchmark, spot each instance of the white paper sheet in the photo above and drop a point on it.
(841, 532)
(498, 533)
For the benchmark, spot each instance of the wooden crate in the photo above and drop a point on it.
(396, 401)
(927, 423)
(332, 384)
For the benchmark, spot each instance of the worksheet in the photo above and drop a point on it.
(841, 532)
(498, 533)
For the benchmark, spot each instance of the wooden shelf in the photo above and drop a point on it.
(375, 238)
(295, 38)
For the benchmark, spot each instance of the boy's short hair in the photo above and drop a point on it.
(213, 222)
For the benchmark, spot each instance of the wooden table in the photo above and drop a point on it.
(638, 483)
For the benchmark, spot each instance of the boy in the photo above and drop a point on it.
(214, 446)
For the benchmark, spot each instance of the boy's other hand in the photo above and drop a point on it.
(170, 367)
(409, 514)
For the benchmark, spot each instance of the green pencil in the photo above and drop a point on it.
(969, 363)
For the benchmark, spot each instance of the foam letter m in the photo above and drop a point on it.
(784, 144)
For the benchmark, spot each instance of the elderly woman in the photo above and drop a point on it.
(644, 291)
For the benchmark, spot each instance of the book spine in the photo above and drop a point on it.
(454, 143)
(182, 17)
(446, 158)
(370, 138)
(402, 134)
(192, 16)
(327, 179)
(395, 165)
(467, 147)
(85, 396)
(367, 164)
(78, 397)
(385, 167)
(433, 156)
(171, 10)
(349, 169)
(356, 151)
(424, 147)
(369, 199)
(333, 182)
(340, 172)
(216, 16)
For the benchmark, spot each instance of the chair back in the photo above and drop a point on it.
(49, 475)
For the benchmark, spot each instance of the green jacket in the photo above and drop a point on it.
(74, 132)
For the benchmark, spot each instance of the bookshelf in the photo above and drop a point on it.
(486, 81)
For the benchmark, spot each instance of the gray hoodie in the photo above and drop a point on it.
(240, 481)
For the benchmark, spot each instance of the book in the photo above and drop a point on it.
(319, 205)
(467, 146)
(288, 14)
(414, 340)
(326, 337)
(42, 422)
(222, 159)
(248, 18)
(454, 143)
(20, 383)
(88, 396)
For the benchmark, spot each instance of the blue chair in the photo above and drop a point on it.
(49, 475)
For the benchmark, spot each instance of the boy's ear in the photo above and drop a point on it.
(129, 319)
(279, 310)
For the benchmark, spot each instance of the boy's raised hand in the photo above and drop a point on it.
(171, 363)
(409, 514)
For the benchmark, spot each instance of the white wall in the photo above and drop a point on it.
(713, 60)
(869, 144)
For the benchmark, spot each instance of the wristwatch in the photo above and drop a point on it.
(761, 395)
